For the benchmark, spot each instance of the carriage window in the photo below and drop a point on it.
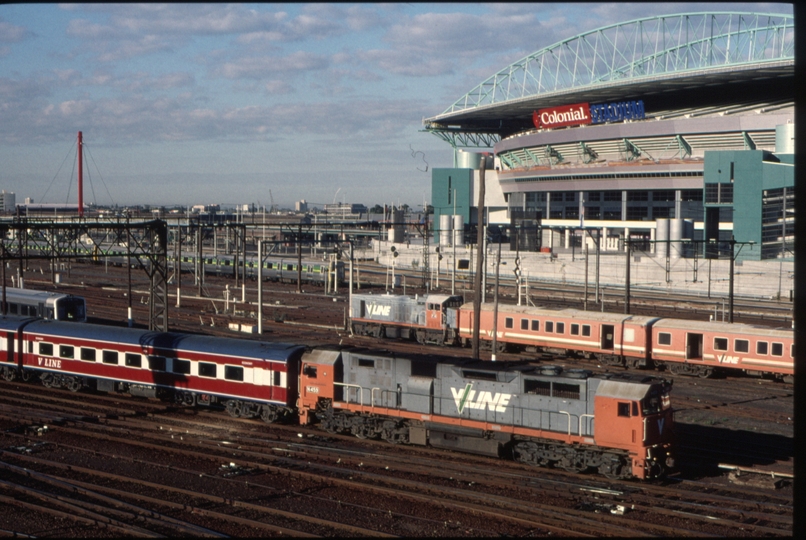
(741, 345)
(66, 351)
(567, 391)
(535, 326)
(46, 349)
(156, 363)
(549, 326)
(276, 378)
(366, 362)
(88, 354)
(541, 388)
(524, 324)
(134, 360)
(561, 328)
(664, 338)
(181, 366)
(624, 409)
(109, 357)
(777, 349)
(233, 373)
(289, 267)
(761, 347)
(508, 322)
(574, 329)
(207, 369)
(720, 344)
(586, 330)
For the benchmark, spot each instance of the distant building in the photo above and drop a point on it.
(346, 211)
(301, 206)
(8, 201)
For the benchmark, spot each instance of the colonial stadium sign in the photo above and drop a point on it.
(584, 113)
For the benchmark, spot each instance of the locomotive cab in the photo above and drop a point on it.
(638, 418)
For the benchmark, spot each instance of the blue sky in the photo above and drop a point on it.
(241, 103)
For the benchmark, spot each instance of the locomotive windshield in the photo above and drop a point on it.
(656, 400)
(71, 309)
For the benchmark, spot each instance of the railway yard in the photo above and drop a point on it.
(99, 465)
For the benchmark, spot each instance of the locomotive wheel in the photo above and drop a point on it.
(47, 380)
(73, 384)
(188, 399)
(705, 372)
(26, 375)
(268, 414)
(9, 374)
(677, 369)
(234, 408)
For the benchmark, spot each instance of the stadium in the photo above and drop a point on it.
(642, 133)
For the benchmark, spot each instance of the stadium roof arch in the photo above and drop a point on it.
(664, 60)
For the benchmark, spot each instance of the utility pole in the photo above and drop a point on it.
(479, 262)
(495, 302)
(627, 278)
(730, 286)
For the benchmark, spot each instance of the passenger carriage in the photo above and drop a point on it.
(700, 348)
(249, 378)
(612, 338)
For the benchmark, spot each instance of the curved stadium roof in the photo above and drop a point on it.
(666, 61)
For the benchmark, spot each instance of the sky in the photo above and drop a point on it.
(232, 104)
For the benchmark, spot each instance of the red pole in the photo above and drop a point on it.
(80, 178)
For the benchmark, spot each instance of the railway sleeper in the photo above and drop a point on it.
(573, 458)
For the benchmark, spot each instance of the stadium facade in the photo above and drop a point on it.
(662, 128)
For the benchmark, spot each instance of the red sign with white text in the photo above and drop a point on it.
(567, 115)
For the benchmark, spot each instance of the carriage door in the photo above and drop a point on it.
(693, 346)
(608, 331)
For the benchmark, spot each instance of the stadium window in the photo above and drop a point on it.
(570, 196)
(109, 357)
(524, 324)
(777, 349)
(46, 349)
(666, 195)
(156, 363)
(574, 329)
(741, 345)
(181, 366)
(87, 354)
(134, 360)
(207, 369)
(556, 196)
(66, 351)
(233, 373)
(561, 328)
(549, 326)
(720, 344)
(593, 212)
(586, 330)
(761, 347)
(535, 325)
(691, 195)
(637, 213)
(664, 338)
(612, 196)
(637, 195)
(508, 322)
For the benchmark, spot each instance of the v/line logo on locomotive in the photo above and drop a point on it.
(466, 397)
(379, 310)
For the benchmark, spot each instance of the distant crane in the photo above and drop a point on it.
(273, 207)
(336, 195)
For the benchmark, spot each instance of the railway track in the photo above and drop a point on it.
(209, 462)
